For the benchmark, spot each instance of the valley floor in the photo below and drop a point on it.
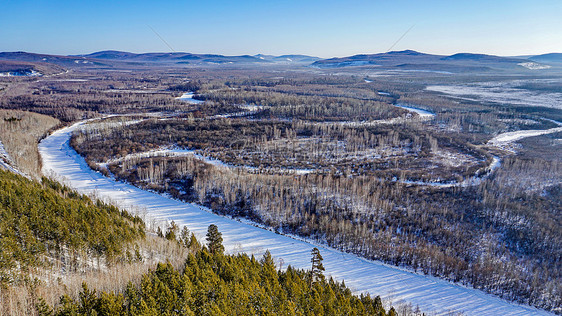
(394, 285)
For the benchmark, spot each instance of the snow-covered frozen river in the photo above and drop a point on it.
(392, 284)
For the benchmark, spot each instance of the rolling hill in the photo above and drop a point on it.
(412, 60)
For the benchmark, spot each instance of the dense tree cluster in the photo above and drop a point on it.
(212, 283)
(38, 220)
(380, 151)
(19, 133)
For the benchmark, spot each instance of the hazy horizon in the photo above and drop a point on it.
(324, 57)
(324, 29)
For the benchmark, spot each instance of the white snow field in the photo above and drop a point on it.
(188, 97)
(434, 296)
(505, 92)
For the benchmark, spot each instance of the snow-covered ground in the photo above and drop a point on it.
(393, 284)
(248, 109)
(31, 73)
(170, 152)
(474, 180)
(423, 115)
(533, 66)
(177, 152)
(131, 91)
(188, 97)
(510, 137)
(505, 92)
(505, 140)
(421, 112)
(7, 163)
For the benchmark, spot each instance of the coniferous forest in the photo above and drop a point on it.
(217, 284)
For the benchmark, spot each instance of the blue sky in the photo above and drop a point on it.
(322, 28)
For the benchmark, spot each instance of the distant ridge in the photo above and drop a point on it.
(110, 58)
(393, 58)
(172, 57)
(52, 59)
(547, 58)
(482, 58)
(416, 61)
(186, 58)
(406, 60)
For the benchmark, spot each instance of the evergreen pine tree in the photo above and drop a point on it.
(185, 237)
(317, 266)
(214, 239)
(172, 231)
(194, 243)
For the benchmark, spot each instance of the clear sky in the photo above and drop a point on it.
(321, 28)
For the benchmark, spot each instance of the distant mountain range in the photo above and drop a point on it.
(400, 60)
(44, 58)
(107, 58)
(547, 58)
(412, 60)
(200, 58)
(182, 58)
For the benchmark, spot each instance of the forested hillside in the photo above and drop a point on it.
(42, 223)
(52, 238)
(215, 284)
(43, 220)
(19, 133)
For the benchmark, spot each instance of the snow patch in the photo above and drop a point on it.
(23, 73)
(421, 112)
(533, 66)
(188, 97)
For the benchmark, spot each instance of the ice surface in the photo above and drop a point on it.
(397, 285)
(188, 97)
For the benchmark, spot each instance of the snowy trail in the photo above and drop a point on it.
(431, 294)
